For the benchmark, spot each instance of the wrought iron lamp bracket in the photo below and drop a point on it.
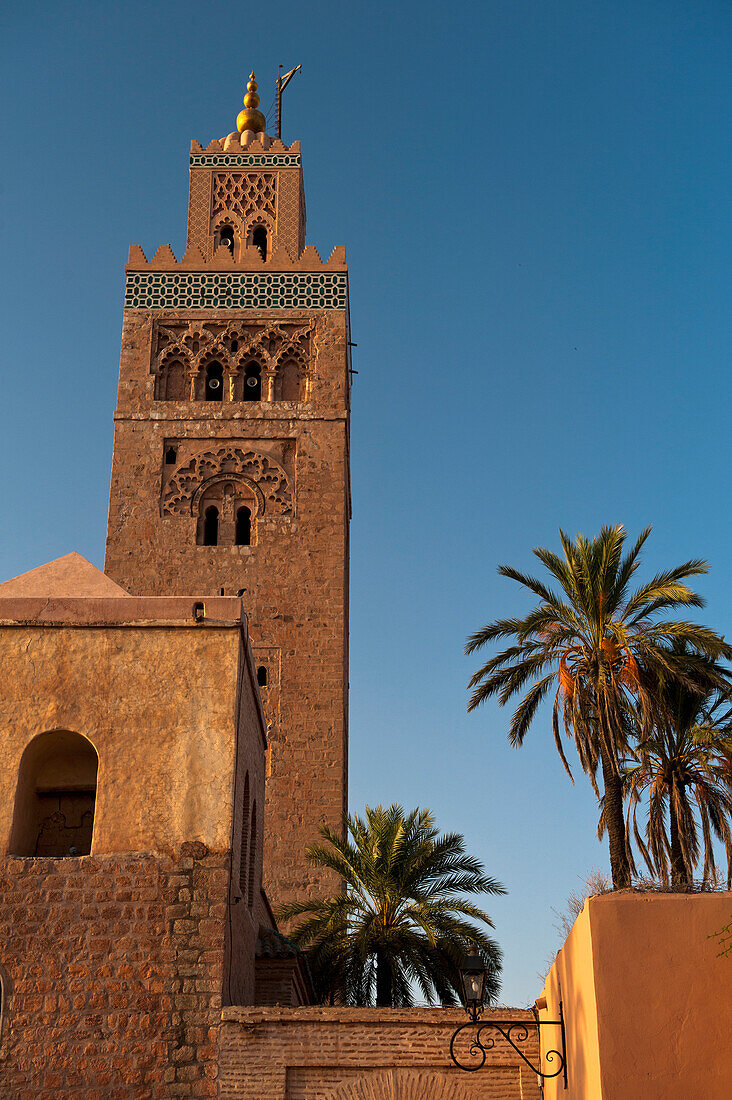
(514, 1032)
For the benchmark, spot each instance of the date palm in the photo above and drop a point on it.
(600, 648)
(682, 772)
(400, 921)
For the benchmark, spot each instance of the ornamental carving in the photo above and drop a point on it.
(267, 479)
(249, 196)
(182, 350)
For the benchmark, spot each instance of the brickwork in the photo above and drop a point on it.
(284, 457)
(362, 1054)
(115, 964)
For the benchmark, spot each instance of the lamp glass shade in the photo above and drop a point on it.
(473, 974)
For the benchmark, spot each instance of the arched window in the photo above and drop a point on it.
(252, 855)
(55, 797)
(226, 238)
(259, 240)
(244, 854)
(253, 382)
(214, 382)
(243, 527)
(171, 453)
(211, 526)
(262, 676)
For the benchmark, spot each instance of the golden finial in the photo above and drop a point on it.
(251, 118)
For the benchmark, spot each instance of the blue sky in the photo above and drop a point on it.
(534, 199)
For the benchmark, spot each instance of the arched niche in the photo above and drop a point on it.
(171, 384)
(55, 797)
(289, 381)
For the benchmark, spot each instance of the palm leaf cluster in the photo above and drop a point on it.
(401, 923)
(603, 649)
(682, 772)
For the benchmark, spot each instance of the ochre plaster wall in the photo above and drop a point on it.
(159, 706)
(571, 979)
(361, 1054)
(662, 997)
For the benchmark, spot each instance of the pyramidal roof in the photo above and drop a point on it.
(69, 576)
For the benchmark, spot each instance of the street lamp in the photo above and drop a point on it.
(473, 975)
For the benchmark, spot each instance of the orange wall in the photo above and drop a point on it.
(571, 980)
(647, 1001)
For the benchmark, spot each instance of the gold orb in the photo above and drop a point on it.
(250, 119)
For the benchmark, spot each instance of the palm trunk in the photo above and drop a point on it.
(619, 865)
(679, 878)
(384, 981)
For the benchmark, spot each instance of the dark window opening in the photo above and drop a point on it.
(262, 676)
(211, 527)
(234, 345)
(253, 383)
(226, 237)
(171, 453)
(243, 527)
(259, 240)
(214, 382)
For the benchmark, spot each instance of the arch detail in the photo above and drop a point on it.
(265, 476)
(396, 1085)
(237, 479)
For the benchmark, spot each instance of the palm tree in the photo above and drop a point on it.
(684, 767)
(600, 648)
(399, 921)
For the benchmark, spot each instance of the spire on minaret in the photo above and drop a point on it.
(251, 118)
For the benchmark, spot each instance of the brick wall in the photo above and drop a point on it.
(115, 972)
(362, 1054)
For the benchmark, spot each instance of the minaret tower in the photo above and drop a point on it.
(230, 472)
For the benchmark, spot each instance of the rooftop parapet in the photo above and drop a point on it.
(250, 260)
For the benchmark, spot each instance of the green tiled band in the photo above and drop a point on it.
(245, 160)
(236, 290)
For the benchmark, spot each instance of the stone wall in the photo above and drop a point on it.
(114, 968)
(362, 1054)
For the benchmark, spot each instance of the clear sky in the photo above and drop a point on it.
(534, 199)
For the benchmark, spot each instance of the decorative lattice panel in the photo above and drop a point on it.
(245, 160)
(199, 212)
(245, 194)
(237, 290)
